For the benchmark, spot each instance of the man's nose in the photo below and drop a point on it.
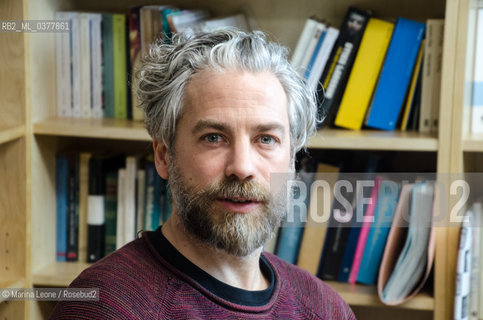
(241, 160)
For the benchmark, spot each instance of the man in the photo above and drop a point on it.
(225, 110)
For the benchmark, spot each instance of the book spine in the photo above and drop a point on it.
(85, 65)
(96, 65)
(302, 44)
(107, 66)
(73, 209)
(314, 48)
(83, 196)
(96, 219)
(120, 64)
(63, 56)
(438, 54)
(364, 233)
(364, 74)
(76, 65)
(412, 89)
(135, 58)
(121, 182)
(395, 75)
(336, 72)
(140, 199)
(62, 172)
(322, 57)
(130, 199)
(111, 211)
(149, 203)
(371, 259)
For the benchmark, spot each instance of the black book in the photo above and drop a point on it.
(73, 208)
(337, 70)
(96, 220)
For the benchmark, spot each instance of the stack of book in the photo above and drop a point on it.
(368, 228)
(98, 57)
(104, 201)
(374, 73)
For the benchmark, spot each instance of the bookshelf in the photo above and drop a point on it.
(30, 136)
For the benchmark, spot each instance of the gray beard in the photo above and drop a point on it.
(238, 234)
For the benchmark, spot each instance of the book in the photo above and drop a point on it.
(475, 280)
(317, 219)
(290, 235)
(313, 46)
(62, 199)
(431, 81)
(336, 72)
(110, 203)
(129, 199)
(387, 199)
(409, 253)
(303, 43)
(412, 92)
(463, 270)
(140, 198)
(85, 65)
(83, 194)
(120, 216)
(185, 20)
(119, 65)
(477, 95)
(395, 74)
(95, 21)
(63, 59)
(238, 21)
(108, 93)
(135, 58)
(364, 74)
(364, 232)
(321, 57)
(75, 64)
(96, 210)
(73, 208)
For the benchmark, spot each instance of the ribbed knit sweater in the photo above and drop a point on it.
(137, 282)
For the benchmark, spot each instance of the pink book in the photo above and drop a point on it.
(366, 225)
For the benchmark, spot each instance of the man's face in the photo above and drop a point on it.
(234, 132)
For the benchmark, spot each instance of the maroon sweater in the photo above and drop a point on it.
(138, 282)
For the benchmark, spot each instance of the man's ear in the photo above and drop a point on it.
(161, 159)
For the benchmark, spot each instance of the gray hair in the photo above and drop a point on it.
(168, 68)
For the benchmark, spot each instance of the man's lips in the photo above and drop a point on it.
(238, 204)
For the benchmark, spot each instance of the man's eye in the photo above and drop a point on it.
(212, 138)
(267, 140)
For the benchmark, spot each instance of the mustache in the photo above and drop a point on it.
(232, 188)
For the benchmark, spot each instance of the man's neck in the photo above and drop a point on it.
(240, 272)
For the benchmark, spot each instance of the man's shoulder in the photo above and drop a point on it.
(128, 281)
(316, 295)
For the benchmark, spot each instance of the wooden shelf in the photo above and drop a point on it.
(93, 128)
(11, 133)
(325, 139)
(58, 274)
(473, 143)
(361, 295)
(19, 283)
(374, 140)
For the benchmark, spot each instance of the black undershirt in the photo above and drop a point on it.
(235, 295)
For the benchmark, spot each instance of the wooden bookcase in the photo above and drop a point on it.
(30, 136)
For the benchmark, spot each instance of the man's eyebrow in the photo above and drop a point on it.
(209, 124)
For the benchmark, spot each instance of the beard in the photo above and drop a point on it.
(238, 234)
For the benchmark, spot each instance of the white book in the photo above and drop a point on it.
(141, 192)
(475, 261)
(76, 63)
(130, 199)
(303, 42)
(95, 20)
(322, 57)
(314, 39)
(63, 57)
(121, 182)
(463, 272)
(477, 96)
(85, 65)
